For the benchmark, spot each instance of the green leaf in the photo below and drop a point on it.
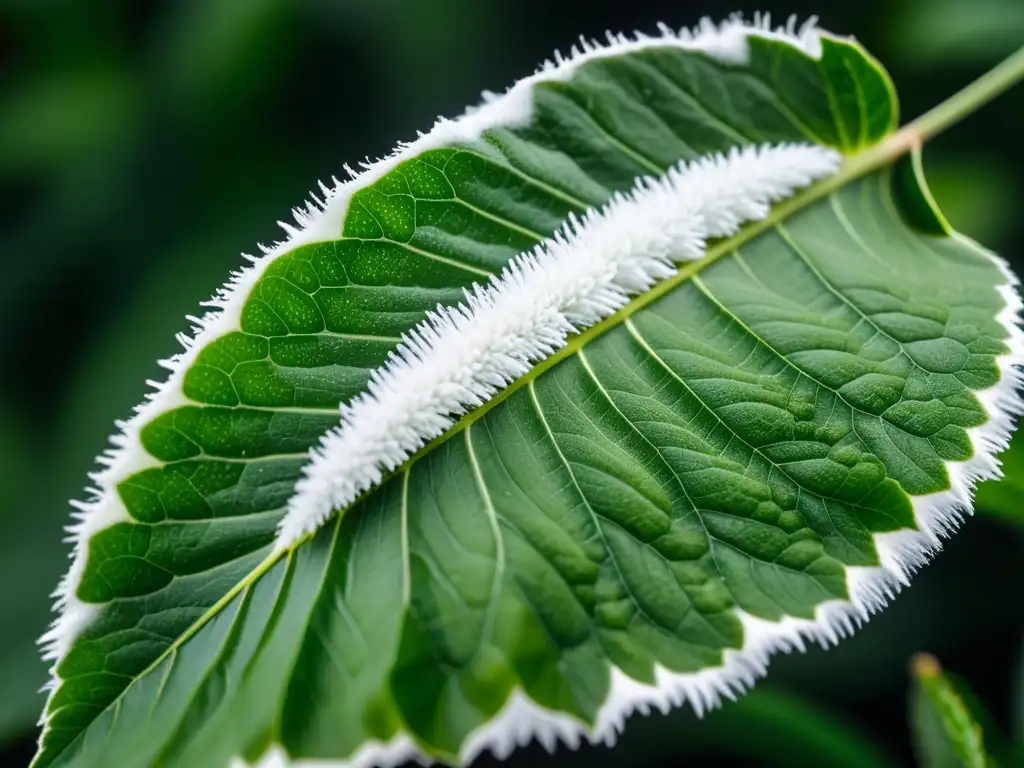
(755, 452)
(946, 735)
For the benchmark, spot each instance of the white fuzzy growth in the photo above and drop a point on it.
(399, 751)
(459, 357)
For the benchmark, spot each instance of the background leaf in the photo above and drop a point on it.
(946, 733)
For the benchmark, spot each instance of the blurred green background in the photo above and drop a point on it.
(145, 144)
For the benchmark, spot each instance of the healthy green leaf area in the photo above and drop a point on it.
(719, 456)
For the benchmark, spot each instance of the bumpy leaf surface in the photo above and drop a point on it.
(723, 459)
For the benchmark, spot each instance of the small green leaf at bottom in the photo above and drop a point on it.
(946, 735)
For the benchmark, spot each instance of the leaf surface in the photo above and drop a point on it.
(717, 473)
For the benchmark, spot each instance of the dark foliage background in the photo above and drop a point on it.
(144, 145)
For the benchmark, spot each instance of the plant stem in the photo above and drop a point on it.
(958, 106)
(937, 119)
(933, 122)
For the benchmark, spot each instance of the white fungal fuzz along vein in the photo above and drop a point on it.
(460, 356)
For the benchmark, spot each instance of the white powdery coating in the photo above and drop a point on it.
(400, 750)
(459, 357)
(937, 515)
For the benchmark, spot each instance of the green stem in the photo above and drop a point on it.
(936, 120)
(977, 94)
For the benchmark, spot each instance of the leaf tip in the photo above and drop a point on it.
(924, 666)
